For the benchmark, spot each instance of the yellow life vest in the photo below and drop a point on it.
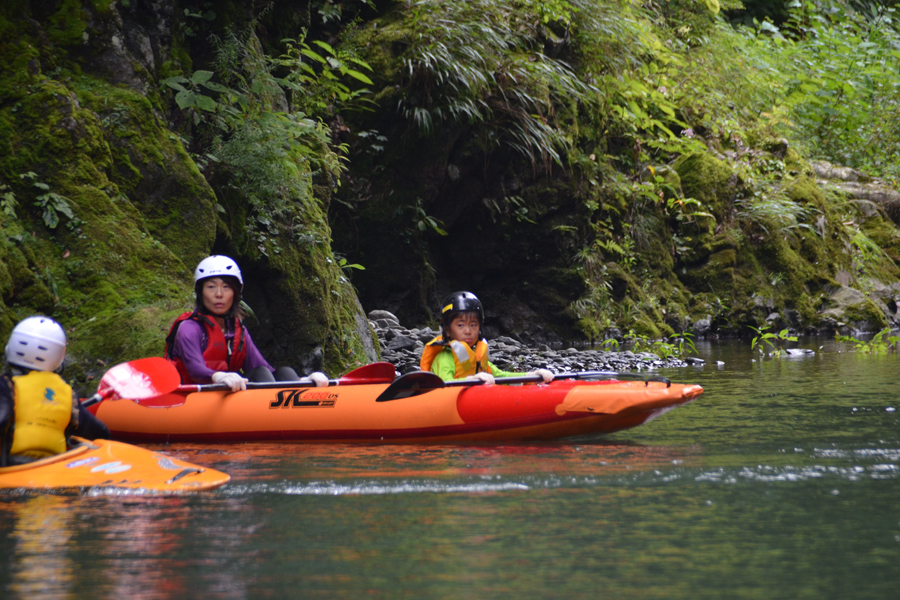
(43, 405)
(468, 361)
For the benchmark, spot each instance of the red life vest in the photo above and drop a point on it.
(219, 355)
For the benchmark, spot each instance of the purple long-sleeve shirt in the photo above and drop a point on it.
(190, 342)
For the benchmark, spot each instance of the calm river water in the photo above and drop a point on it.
(781, 481)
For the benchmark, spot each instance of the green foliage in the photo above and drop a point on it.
(314, 79)
(773, 342)
(481, 63)
(881, 343)
(264, 150)
(832, 81)
(422, 222)
(50, 203)
(772, 211)
(347, 266)
(8, 202)
(677, 348)
(513, 206)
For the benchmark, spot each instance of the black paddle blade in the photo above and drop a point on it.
(411, 384)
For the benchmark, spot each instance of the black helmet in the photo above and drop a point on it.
(459, 302)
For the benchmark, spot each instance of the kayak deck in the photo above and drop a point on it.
(111, 464)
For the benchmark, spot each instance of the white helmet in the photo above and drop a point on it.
(37, 343)
(217, 266)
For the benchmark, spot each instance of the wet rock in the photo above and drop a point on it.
(402, 343)
(799, 351)
(702, 327)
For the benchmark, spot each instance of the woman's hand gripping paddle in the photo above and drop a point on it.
(137, 380)
(380, 372)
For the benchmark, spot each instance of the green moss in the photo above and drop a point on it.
(67, 26)
(708, 180)
(866, 313)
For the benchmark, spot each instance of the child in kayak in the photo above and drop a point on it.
(38, 409)
(461, 351)
(211, 342)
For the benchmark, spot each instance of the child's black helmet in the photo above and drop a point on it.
(459, 302)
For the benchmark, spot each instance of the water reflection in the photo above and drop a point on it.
(143, 548)
(39, 546)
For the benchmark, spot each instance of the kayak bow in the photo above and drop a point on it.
(109, 464)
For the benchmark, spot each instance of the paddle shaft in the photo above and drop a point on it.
(420, 382)
(577, 375)
(258, 385)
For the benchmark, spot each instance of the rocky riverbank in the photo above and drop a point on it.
(402, 347)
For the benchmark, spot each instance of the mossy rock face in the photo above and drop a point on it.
(866, 316)
(118, 273)
(709, 180)
(152, 170)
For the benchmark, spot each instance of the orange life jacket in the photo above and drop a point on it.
(219, 355)
(468, 361)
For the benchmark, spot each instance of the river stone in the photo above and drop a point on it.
(401, 342)
(701, 327)
(403, 348)
(377, 315)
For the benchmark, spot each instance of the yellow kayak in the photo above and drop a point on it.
(109, 464)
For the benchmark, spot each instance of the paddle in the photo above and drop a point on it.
(380, 372)
(137, 380)
(147, 379)
(421, 382)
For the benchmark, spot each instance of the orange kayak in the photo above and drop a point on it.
(109, 464)
(352, 413)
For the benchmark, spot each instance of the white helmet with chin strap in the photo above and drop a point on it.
(37, 343)
(217, 266)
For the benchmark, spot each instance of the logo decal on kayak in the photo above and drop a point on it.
(303, 399)
(111, 468)
(81, 462)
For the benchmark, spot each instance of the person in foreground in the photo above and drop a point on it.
(211, 342)
(461, 351)
(38, 409)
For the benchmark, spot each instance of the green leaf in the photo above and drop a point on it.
(185, 99)
(201, 77)
(325, 46)
(359, 76)
(216, 87)
(313, 55)
(50, 218)
(175, 82)
(205, 103)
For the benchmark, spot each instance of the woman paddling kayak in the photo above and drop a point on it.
(211, 342)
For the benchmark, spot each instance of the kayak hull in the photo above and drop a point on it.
(111, 464)
(350, 414)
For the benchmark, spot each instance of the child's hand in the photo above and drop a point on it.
(487, 378)
(546, 375)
